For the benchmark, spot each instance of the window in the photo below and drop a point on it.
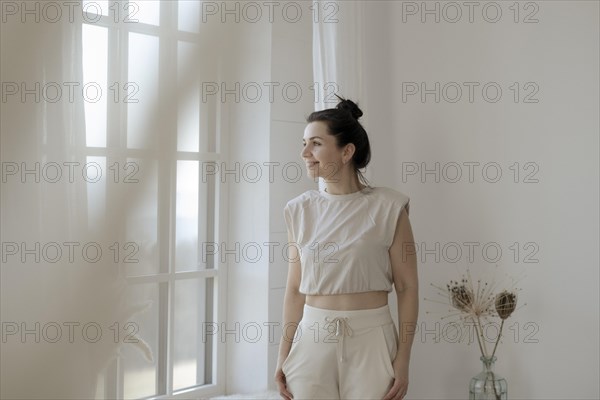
(134, 52)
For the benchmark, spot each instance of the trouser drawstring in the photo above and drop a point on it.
(342, 329)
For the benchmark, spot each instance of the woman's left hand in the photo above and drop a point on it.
(400, 387)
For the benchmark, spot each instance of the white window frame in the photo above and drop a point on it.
(168, 36)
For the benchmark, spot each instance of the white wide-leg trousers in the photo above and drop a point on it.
(342, 354)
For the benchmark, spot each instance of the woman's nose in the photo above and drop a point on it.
(305, 152)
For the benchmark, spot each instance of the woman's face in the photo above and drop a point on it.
(322, 157)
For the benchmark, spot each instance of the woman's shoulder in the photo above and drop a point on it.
(301, 200)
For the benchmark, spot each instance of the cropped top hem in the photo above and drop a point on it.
(343, 240)
(357, 292)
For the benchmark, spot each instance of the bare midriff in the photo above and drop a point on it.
(349, 301)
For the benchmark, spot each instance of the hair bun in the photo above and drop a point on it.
(350, 106)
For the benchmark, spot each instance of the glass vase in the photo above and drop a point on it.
(487, 385)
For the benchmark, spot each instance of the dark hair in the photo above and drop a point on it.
(342, 123)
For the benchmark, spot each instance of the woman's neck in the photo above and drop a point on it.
(339, 188)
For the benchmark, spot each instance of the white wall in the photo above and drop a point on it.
(559, 214)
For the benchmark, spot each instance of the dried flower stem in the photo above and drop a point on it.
(480, 331)
(496, 394)
(478, 339)
(498, 340)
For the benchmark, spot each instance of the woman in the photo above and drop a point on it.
(350, 243)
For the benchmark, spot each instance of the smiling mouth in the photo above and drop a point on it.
(311, 164)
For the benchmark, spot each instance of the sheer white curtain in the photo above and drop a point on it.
(64, 306)
(338, 49)
(55, 294)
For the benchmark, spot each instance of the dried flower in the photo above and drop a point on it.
(475, 300)
(461, 297)
(506, 302)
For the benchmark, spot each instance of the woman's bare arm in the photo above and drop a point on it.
(293, 302)
(293, 309)
(404, 269)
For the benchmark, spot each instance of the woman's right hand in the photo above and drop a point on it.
(282, 384)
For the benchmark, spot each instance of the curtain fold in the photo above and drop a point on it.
(49, 291)
(338, 49)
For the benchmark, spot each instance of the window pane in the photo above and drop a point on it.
(187, 216)
(142, 85)
(188, 115)
(189, 15)
(146, 11)
(140, 253)
(95, 64)
(139, 375)
(194, 236)
(190, 345)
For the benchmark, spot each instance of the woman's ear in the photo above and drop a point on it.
(348, 152)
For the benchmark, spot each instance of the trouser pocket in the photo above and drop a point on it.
(389, 343)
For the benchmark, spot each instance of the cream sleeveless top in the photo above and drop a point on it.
(343, 240)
